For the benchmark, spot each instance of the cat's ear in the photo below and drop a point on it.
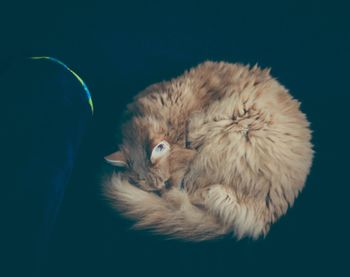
(160, 150)
(116, 159)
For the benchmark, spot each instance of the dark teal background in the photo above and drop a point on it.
(119, 49)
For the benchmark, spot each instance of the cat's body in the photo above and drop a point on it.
(225, 147)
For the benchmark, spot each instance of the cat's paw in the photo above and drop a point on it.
(217, 195)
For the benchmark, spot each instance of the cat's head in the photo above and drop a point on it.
(151, 157)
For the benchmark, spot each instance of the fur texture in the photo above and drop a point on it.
(240, 154)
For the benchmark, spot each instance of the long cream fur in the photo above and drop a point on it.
(253, 153)
(172, 214)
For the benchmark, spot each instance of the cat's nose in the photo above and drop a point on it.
(167, 184)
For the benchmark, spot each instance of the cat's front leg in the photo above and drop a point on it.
(236, 215)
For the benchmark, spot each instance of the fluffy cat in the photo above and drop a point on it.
(221, 149)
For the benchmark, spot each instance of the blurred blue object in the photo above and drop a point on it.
(47, 109)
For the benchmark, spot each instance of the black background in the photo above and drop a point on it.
(120, 48)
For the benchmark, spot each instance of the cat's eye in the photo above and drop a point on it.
(160, 150)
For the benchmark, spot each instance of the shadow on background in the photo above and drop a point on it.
(119, 49)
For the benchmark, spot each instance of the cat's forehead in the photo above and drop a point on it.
(144, 130)
(135, 147)
(137, 156)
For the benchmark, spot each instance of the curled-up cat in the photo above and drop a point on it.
(221, 149)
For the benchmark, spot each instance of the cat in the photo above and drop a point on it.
(222, 149)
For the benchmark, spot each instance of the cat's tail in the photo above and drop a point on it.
(172, 214)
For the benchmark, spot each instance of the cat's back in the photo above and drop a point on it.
(197, 88)
(211, 81)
